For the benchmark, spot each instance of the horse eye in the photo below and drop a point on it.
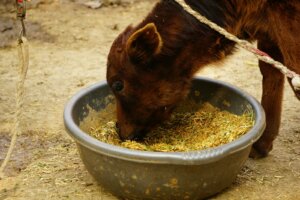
(117, 86)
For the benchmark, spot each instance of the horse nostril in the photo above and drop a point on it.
(139, 137)
(136, 136)
(124, 138)
(130, 137)
(118, 129)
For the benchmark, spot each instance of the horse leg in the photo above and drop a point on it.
(273, 83)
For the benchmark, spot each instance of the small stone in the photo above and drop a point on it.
(93, 4)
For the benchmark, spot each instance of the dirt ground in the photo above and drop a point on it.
(69, 43)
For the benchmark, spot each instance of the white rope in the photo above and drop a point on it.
(244, 44)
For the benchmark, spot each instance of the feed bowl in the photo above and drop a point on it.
(133, 174)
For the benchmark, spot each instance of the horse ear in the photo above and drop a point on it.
(144, 43)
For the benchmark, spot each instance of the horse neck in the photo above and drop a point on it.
(187, 43)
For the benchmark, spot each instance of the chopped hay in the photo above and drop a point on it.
(191, 127)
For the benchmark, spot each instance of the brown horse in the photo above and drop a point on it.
(150, 66)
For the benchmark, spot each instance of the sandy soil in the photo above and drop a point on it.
(68, 47)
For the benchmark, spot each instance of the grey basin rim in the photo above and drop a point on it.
(182, 158)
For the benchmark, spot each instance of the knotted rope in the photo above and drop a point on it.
(23, 56)
(23, 66)
(244, 44)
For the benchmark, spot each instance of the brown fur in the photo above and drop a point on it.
(156, 60)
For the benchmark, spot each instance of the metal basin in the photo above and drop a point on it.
(132, 174)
